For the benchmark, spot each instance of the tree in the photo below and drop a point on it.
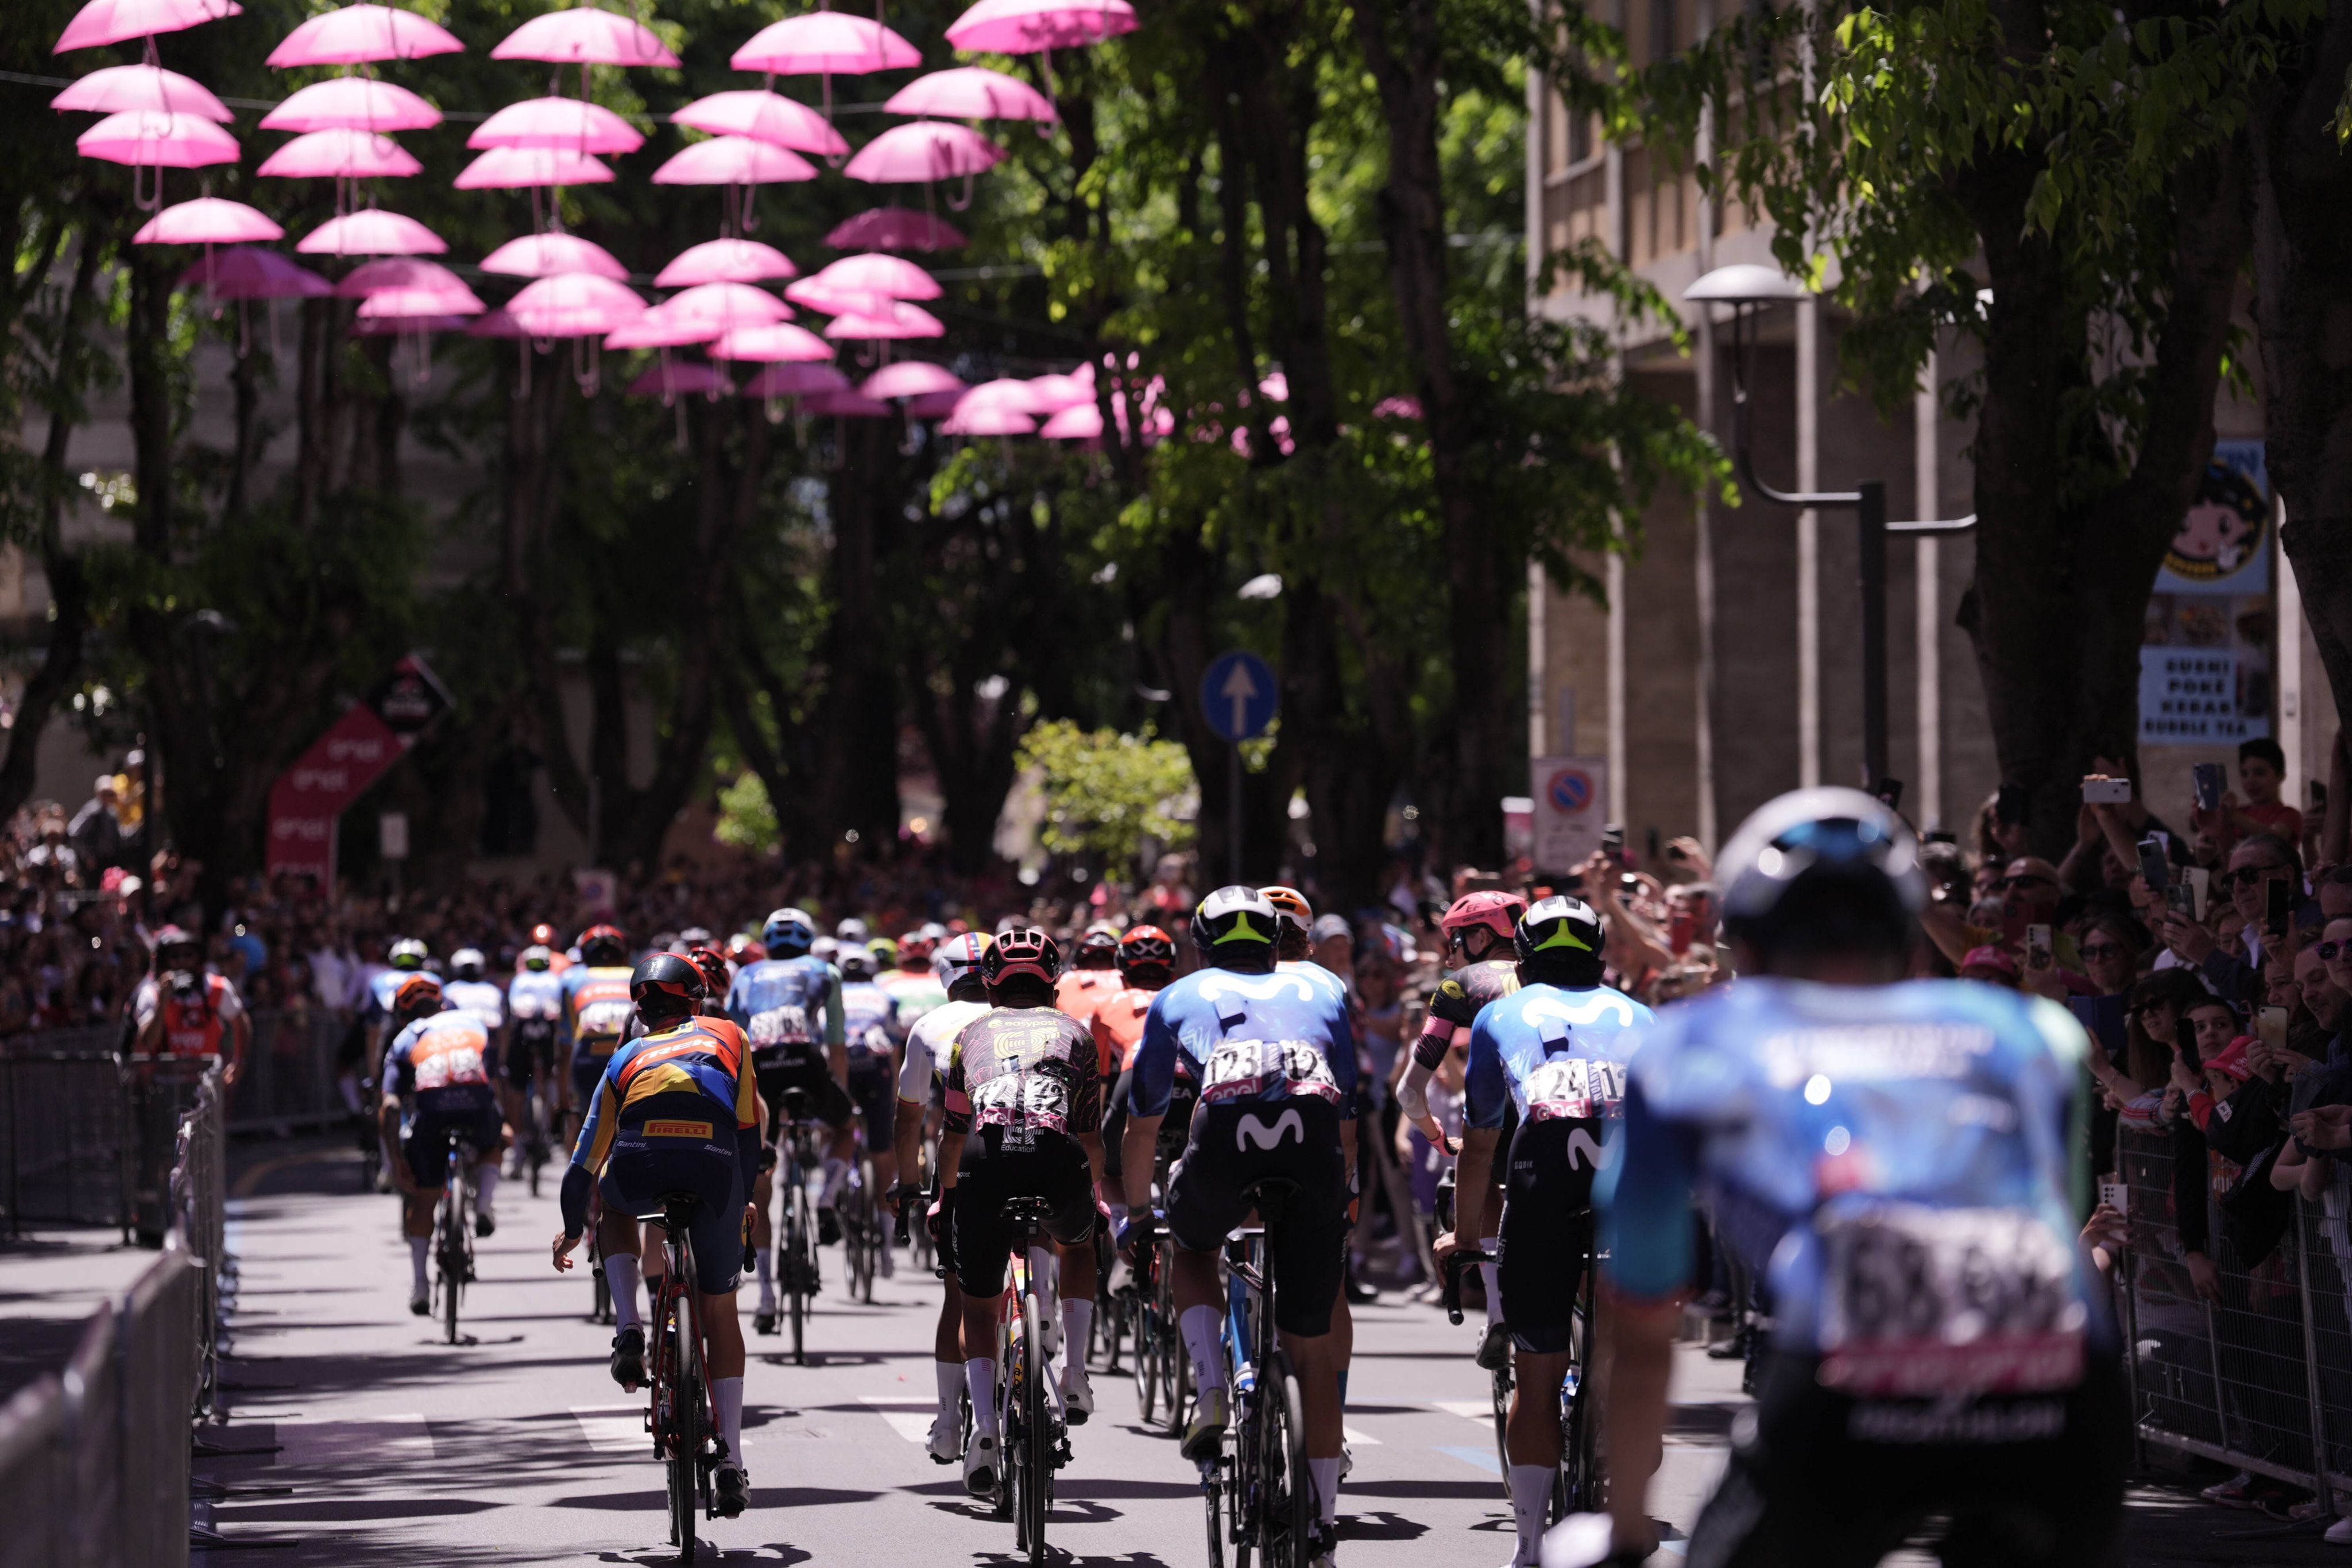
(1105, 792)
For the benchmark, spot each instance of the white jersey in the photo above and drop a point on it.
(482, 998)
(928, 1047)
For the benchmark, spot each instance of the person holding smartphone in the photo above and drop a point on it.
(2260, 864)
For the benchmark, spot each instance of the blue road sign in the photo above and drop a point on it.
(1238, 697)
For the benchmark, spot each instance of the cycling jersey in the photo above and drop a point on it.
(535, 994)
(1080, 991)
(1454, 1005)
(915, 991)
(1118, 1025)
(195, 1020)
(870, 1018)
(775, 1002)
(1552, 1052)
(441, 1060)
(930, 1047)
(1262, 1037)
(480, 998)
(1025, 1070)
(596, 1010)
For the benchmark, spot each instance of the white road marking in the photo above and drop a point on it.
(909, 1417)
(1360, 1439)
(613, 1428)
(1479, 1410)
(368, 1439)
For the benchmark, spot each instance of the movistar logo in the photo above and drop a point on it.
(1562, 937)
(1250, 1130)
(1243, 931)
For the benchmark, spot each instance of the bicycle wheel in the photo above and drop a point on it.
(1210, 1494)
(1287, 1489)
(802, 1229)
(686, 1431)
(449, 1257)
(1038, 1435)
(1500, 1395)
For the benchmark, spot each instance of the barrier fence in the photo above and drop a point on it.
(2259, 1379)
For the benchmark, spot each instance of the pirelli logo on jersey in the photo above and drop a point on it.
(672, 1129)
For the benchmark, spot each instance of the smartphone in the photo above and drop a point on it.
(2270, 1027)
(2098, 789)
(2201, 886)
(2116, 1194)
(2155, 865)
(1682, 929)
(2009, 805)
(2210, 777)
(2038, 951)
(1890, 793)
(2278, 895)
(1650, 841)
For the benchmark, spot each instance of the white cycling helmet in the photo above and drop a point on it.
(851, 930)
(957, 957)
(825, 947)
(468, 964)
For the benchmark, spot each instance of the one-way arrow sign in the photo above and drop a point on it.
(1237, 696)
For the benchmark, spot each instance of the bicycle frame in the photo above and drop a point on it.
(678, 1414)
(1031, 1451)
(795, 1233)
(453, 1237)
(1261, 1474)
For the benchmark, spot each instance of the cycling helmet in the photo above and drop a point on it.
(850, 930)
(665, 985)
(958, 959)
(856, 964)
(1560, 927)
(935, 933)
(1235, 919)
(787, 934)
(604, 945)
(885, 951)
(1146, 947)
(171, 937)
(417, 997)
(718, 974)
(743, 950)
(542, 936)
(407, 952)
(919, 945)
(695, 936)
(468, 964)
(1098, 948)
(1495, 912)
(1825, 869)
(825, 947)
(536, 958)
(1024, 950)
(1290, 905)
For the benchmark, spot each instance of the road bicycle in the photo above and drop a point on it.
(862, 1236)
(795, 1233)
(453, 1234)
(1033, 1442)
(1163, 1372)
(678, 1413)
(1259, 1492)
(1580, 1486)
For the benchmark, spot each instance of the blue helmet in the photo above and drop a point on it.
(787, 934)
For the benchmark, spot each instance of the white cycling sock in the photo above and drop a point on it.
(1530, 1498)
(1077, 1317)
(486, 1187)
(621, 1274)
(1200, 1326)
(836, 1173)
(765, 1260)
(726, 1396)
(418, 1245)
(1327, 1485)
(1489, 1275)
(979, 1382)
(950, 1375)
(1042, 1261)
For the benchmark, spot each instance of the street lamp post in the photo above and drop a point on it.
(1746, 288)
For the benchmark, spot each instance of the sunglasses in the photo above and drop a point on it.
(2103, 951)
(2329, 951)
(2248, 876)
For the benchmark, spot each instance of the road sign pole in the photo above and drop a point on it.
(1234, 818)
(1238, 701)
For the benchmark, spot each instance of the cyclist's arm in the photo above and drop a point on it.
(241, 1039)
(588, 1157)
(956, 1120)
(750, 1117)
(1473, 1174)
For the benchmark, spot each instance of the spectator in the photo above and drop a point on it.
(1990, 964)
(96, 830)
(2261, 773)
(2234, 971)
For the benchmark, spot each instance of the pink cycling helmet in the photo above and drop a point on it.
(1497, 912)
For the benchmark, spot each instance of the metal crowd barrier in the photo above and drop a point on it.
(289, 1074)
(2261, 1379)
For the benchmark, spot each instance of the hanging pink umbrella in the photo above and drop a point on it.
(397, 272)
(782, 341)
(560, 122)
(885, 275)
(988, 421)
(495, 323)
(113, 89)
(118, 21)
(514, 168)
(409, 326)
(923, 150)
(667, 380)
(1081, 422)
(208, 220)
(910, 378)
(800, 379)
(585, 35)
(574, 304)
(723, 307)
(342, 154)
(764, 117)
(1397, 408)
(656, 330)
(359, 102)
(932, 405)
(733, 160)
(724, 261)
(831, 43)
(895, 228)
(1014, 396)
(372, 233)
(455, 300)
(543, 255)
(903, 321)
(357, 34)
(1024, 26)
(845, 405)
(249, 272)
(149, 139)
(1052, 395)
(828, 300)
(971, 92)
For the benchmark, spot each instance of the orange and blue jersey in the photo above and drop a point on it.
(596, 1010)
(690, 1081)
(441, 1060)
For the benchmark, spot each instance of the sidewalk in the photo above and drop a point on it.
(50, 1283)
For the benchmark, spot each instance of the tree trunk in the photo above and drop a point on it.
(858, 784)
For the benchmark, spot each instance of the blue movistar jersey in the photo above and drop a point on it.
(870, 1016)
(1248, 1036)
(1551, 1051)
(1898, 1162)
(776, 1001)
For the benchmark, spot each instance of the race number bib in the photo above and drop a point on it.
(602, 1024)
(446, 1066)
(1573, 1088)
(1266, 1070)
(786, 1025)
(1919, 1303)
(1021, 1103)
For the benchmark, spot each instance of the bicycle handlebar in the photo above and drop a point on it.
(1452, 1286)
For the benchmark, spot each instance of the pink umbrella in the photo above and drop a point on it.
(416, 326)
(923, 150)
(342, 154)
(885, 275)
(987, 420)
(723, 307)
(1397, 408)
(565, 123)
(495, 324)
(1052, 395)
(782, 341)
(398, 272)
(845, 405)
(114, 88)
(903, 321)
(1023, 26)
(932, 405)
(895, 228)
(372, 233)
(455, 300)
(118, 21)
(724, 261)
(1012, 396)
(574, 304)
(585, 35)
(208, 220)
(910, 378)
(796, 380)
(971, 92)
(1082, 422)
(542, 255)
(667, 381)
(828, 300)
(149, 140)
(360, 102)
(513, 168)
(656, 330)
(762, 117)
(733, 160)
(832, 43)
(357, 34)
(248, 272)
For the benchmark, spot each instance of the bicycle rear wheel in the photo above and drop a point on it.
(1211, 1494)
(1501, 1395)
(1036, 1470)
(450, 1253)
(685, 1437)
(1287, 1490)
(799, 1259)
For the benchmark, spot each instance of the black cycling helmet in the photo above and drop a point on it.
(1826, 870)
(1097, 949)
(665, 985)
(1561, 935)
(1146, 951)
(1235, 922)
(604, 946)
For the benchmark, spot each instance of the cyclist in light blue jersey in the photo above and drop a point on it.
(871, 1023)
(789, 1006)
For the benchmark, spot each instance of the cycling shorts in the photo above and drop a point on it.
(656, 1155)
(1547, 1240)
(1054, 1167)
(828, 1102)
(1236, 1143)
(425, 1142)
(531, 1048)
(1804, 1488)
(585, 1071)
(874, 1090)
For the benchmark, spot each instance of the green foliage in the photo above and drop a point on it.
(747, 819)
(1107, 793)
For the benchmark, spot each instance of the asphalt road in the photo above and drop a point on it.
(392, 1446)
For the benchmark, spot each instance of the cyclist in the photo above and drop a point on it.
(1147, 961)
(183, 1011)
(1554, 1050)
(1480, 930)
(930, 1043)
(407, 957)
(1093, 974)
(674, 1111)
(745, 950)
(872, 1024)
(1899, 1158)
(1024, 1099)
(775, 1003)
(717, 976)
(436, 1081)
(594, 1016)
(534, 1005)
(467, 989)
(544, 935)
(1276, 1060)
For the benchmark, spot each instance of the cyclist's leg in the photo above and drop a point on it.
(983, 1250)
(947, 1351)
(1310, 1260)
(426, 1147)
(1071, 1227)
(490, 1140)
(719, 1265)
(618, 1244)
(1204, 1202)
(831, 1105)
